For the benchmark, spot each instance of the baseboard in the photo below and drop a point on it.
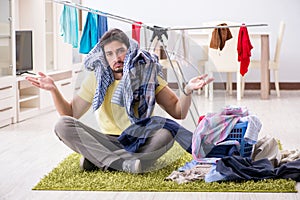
(251, 86)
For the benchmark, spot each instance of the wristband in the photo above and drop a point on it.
(187, 94)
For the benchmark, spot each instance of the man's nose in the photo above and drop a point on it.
(117, 57)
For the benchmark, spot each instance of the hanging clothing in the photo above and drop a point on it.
(102, 25)
(219, 37)
(244, 47)
(136, 30)
(69, 25)
(89, 36)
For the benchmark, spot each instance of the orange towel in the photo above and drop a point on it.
(219, 37)
(244, 49)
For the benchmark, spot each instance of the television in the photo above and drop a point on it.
(24, 58)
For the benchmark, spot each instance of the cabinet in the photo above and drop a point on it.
(7, 101)
(6, 65)
(42, 17)
(20, 100)
(7, 80)
(27, 100)
(51, 55)
(31, 101)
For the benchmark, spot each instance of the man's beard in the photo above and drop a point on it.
(119, 70)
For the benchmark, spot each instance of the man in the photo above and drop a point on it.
(131, 78)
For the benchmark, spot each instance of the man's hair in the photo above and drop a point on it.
(114, 35)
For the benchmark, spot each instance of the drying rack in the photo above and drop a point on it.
(158, 33)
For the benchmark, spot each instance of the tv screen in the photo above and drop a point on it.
(24, 59)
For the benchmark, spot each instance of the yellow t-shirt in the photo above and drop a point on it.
(112, 118)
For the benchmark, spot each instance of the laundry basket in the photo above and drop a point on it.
(238, 133)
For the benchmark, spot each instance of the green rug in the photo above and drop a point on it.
(68, 176)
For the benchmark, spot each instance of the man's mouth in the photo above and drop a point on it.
(118, 66)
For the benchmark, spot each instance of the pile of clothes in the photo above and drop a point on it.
(215, 160)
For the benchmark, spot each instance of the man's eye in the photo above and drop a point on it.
(122, 50)
(108, 54)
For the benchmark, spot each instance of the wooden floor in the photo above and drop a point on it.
(29, 150)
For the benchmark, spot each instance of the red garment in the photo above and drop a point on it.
(244, 50)
(136, 31)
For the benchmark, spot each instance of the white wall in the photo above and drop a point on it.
(192, 13)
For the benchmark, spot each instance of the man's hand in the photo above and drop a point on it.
(197, 83)
(43, 81)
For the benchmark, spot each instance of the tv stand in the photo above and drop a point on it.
(25, 72)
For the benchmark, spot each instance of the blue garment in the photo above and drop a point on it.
(188, 165)
(89, 36)
(213, 175)
(102, 25)
(239, 168)
(221, 151)
(69, 25)
(136, 134)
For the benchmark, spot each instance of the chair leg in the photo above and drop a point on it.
(206, 91)
(229, 83)
(211, 88)
(243, 86)
(238, 86)
(206, 86)
(276, 82)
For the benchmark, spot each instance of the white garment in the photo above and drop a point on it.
(253, 128)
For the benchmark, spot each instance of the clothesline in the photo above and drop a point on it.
(112, 16)
(134, 22)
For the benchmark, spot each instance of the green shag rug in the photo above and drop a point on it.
(68, 176)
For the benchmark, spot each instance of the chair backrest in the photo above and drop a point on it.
(227, 58)
(279, 41)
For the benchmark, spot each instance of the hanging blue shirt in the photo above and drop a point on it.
(69, 25)
(102, 25)
(90, 34)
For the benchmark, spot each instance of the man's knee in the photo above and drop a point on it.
(63, 127)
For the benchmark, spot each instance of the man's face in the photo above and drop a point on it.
(115, 53)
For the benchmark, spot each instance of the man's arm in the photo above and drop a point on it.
(76, 108)
(179, 107)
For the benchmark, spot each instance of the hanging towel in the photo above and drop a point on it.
(219, 37)
(244, 50)
(69, 25)
(102, 25)
(89, 35)
(136, 29)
